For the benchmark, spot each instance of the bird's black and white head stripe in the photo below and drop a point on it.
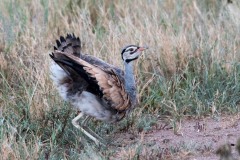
(131, 52)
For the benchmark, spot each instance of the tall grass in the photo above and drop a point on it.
(191, 68)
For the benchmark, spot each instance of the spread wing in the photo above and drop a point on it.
(72, 45)
(106, 82)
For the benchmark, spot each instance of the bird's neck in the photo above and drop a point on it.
(130, 85)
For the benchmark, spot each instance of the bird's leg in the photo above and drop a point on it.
(85, 121)
(84, 125)
(74, 122)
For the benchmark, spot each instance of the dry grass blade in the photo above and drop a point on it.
(190, 70)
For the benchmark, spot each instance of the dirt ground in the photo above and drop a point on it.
(195, 139)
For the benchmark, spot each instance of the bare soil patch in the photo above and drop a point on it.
(194, 139)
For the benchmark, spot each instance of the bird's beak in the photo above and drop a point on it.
(142, 48)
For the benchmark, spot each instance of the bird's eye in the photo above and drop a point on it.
(131, 49)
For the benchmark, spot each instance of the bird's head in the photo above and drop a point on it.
(132, 52)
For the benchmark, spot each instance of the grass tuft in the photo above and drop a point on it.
(191, 69)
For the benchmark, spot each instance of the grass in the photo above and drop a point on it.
(191, 69)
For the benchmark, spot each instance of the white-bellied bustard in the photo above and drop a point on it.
(95, 88)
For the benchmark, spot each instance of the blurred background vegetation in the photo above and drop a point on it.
(191, 69)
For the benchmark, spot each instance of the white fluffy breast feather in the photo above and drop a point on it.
(89, 104)
(57, 75)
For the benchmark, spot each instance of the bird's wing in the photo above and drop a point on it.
(103, 80)
(72, 45)
(105, 66)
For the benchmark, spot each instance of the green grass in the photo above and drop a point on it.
(196, 92)
(192, 68)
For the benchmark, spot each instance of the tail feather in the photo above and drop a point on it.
(71, 45)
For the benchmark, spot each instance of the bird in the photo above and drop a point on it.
(95, 88)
